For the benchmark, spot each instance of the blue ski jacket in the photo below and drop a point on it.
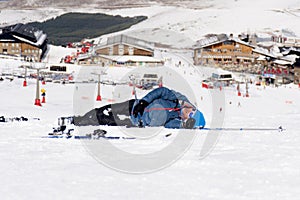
(164, 109)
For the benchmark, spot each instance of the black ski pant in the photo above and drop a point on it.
(117, 114)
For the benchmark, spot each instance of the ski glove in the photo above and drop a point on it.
(139, 108)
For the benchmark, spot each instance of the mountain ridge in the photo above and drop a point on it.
(104, 4)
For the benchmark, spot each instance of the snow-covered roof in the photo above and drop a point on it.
(264, 52)
(282, 62)
(261, 57)
(210, 40)
(123, 39)
(218, 39)
(25, 33)
(38, 43)
(291, 57)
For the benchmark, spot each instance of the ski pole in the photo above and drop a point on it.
(280, 129)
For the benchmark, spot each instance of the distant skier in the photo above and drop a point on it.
(160, 107)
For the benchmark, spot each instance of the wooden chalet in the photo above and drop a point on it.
(220, 49)
(23, 41)
(124, 45)
(121, 50)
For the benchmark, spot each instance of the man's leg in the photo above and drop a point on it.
(105, 116)
(121, 112)
(112, 115)
(88, 119)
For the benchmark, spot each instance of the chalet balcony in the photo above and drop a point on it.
(232, 55)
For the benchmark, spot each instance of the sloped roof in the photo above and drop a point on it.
(4, 37)
(292, 51)
(124, 39)
(283, 62)
(264, 52)
(216, 39)
(26, 33)
(210, 40)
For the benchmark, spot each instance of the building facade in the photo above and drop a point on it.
(24, 41)
(220, 49)
(121, 45)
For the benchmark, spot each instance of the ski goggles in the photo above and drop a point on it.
(185, 114)
(192, 114)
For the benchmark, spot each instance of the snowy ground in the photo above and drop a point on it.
(242, 164)
(187, 165)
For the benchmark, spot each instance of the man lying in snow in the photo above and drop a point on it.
(160, 107)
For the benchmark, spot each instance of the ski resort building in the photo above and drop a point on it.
(23, 41)
(220, 49)
(121, 50)
(124, 45)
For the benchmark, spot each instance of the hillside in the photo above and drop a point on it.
(73, 27)
(173, 23)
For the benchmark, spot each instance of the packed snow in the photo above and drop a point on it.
(188, 164)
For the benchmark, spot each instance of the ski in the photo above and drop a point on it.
(96, 135)
(105, 137)
(85, 137)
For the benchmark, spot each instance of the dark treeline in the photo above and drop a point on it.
(73, 27)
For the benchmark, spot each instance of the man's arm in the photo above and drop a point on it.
(164, 93)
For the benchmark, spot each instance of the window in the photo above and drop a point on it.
(130, 50)
(111, 51)
(205, 50)
(228, 43)
(121, 49)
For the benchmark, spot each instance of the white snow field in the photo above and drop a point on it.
(189, 164)
(247, 164)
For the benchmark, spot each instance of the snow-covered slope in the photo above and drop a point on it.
(258, 164)
(248, 164)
